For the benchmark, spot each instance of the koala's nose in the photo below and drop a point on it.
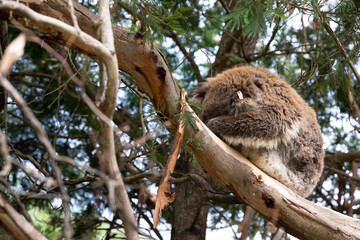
(205, 120)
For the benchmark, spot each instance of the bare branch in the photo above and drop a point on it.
(16, 224)
(221, 198)
(73, 17)
(10, 57)
(333, 159)
(93, 46)
(354, 105)
(80, 83)
(245, 224)
(100, 95)
(17, 200)
(187, 55)
(80, 180)
(5, 153)
(107, 138)
(67, 230)
(45, 141)
(342, 49)
(342, 173)
(32, 160)
(12, 53)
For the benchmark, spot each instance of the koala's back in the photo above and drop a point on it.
(265, 119)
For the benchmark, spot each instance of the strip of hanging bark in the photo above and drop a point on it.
(164, 193)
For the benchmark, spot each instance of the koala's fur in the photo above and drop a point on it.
(267, 121)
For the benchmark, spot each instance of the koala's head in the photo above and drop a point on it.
(216, 99)
(220, 96)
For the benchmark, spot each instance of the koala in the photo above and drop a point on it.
(266, 120)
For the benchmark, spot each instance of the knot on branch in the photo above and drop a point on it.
(161, 73)
(269, 200)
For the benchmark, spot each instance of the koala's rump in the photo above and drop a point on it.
(297, 164)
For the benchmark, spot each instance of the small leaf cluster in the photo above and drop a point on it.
(251, 16)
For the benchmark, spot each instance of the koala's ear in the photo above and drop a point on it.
(201, 90)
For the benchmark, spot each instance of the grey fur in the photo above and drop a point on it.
(271, 125)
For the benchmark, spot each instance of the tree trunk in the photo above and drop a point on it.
(190, 206)
(234, 48)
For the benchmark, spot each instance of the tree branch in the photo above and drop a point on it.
(182, 48)
(332, 159)
(342, 49)
(342, 173)
(107, 137)
(16, 224)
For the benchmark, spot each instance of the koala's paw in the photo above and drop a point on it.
(244, 105)
(215, 125)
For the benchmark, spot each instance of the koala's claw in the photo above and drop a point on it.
(240, 95)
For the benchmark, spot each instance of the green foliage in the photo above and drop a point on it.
(190, 145)
(195, 105)
(41, 220)
(251, 16)
(158, 15)
(188, 118)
